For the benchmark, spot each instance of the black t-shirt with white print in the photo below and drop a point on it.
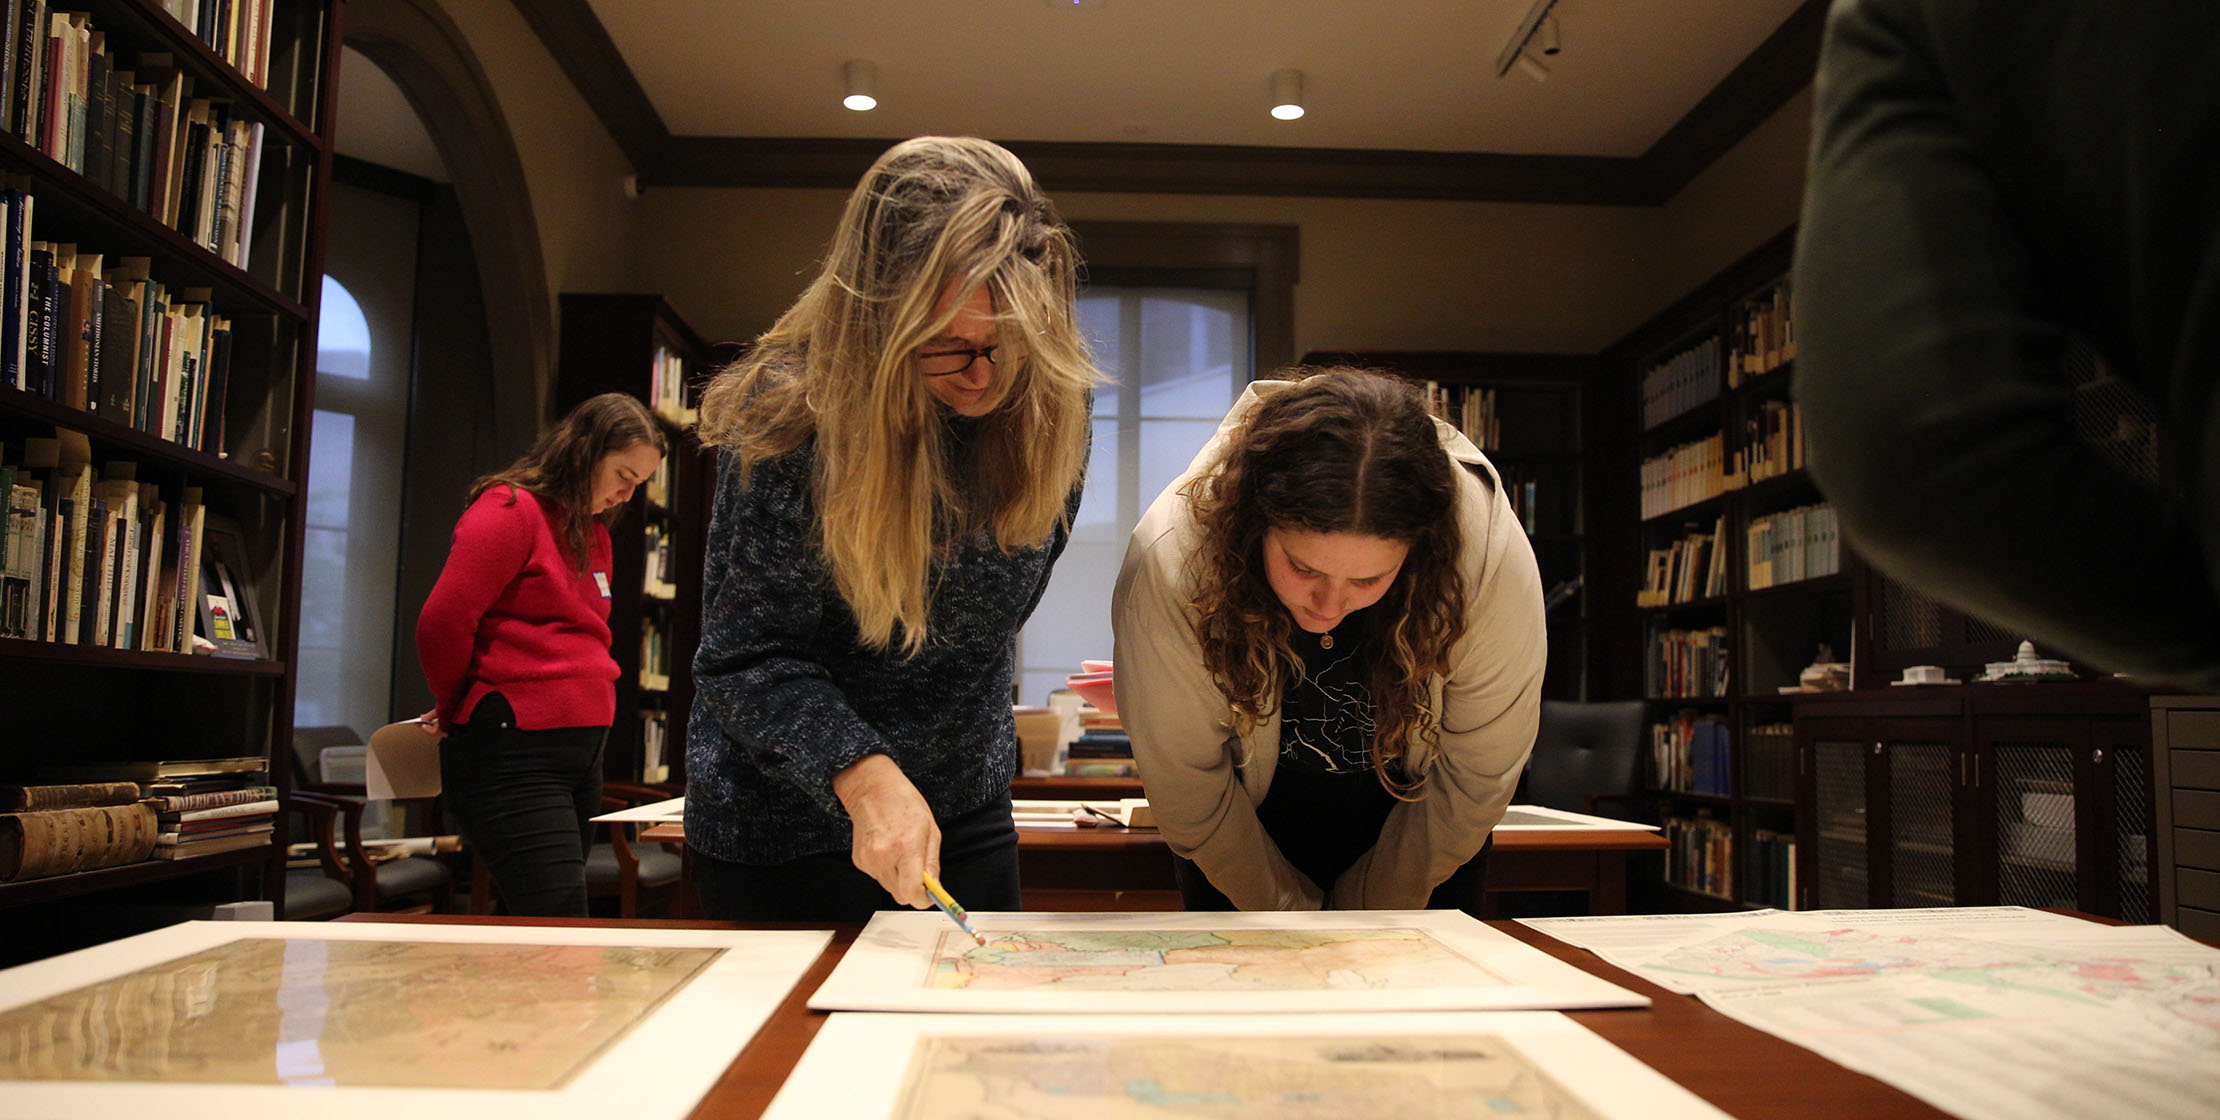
(1326, 805)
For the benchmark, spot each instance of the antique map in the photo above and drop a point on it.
(1256, 1077)
(1170, 963)
(1203, 960)
(1394, 1065)
(1986, 1012)
(350, 1013)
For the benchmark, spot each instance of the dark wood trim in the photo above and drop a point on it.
(1773, 73)
(348, 171)
(1215, 254)
(573, 34)
(1776, 71)
(705, 161)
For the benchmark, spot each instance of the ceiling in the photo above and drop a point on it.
(1398, 74)
(1402, 96)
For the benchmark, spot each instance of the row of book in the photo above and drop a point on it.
(1525, 492)
(1772, 443)
(83, 818)
(661, 578)
(1470, 409)
(1691, 568)
(1700, 854)
(238, 31)
(1768, 768)
(1683, 475)
(1771, 870)
(655, 736)
(1691, 753)
(96, 557)
(656, 658)
(132, 124)
(1680, 381)
(1761, 333)
(109, 339)
(1102, 748)
(1793, 544)
(1687, 663)
(667, 387)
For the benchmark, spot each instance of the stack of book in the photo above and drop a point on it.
(1102, 750)
(59, 828)
(200, 806)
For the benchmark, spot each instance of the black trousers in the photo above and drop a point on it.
(524, 799)
(978, 865)
(1465, 889)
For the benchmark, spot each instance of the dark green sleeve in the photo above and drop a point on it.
(1938, 420)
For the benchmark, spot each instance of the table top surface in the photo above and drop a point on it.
(1743, 1071)
(1063, 838)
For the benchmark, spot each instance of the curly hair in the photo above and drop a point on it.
(839, 366)
(1344, 451)
(560, 465)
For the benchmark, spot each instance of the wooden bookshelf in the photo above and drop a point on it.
(638, 344)
(1723, 618)
(256, 262)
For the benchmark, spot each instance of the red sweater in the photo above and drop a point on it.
(510, 615)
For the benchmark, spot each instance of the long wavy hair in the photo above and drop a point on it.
(1343, 451)
(892, 495)
(560, 466)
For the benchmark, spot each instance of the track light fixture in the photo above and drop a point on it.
(1287, 94)
(1535, 40)
(863, 85)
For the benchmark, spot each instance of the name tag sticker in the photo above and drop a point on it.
(601, 580)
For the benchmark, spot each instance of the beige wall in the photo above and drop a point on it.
(1376, 274)
(589, 232)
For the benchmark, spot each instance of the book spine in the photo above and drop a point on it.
(216, 799)
(220, 812)
(61, 841)
(73, 795)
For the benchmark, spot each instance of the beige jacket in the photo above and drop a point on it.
(1205, 798)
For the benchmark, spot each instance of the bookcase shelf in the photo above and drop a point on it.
(1730, 457)
(638, 344)
(55, 888)
(139, 659)
(217, 418)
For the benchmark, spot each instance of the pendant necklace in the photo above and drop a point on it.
(1326, 640)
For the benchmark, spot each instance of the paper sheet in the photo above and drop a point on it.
(673, 809)
(369, 1021)
(1991, 1013)
(1394, 1066)
(1341, 960)
(403, 761)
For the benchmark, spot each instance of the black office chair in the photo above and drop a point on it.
(1587, 754)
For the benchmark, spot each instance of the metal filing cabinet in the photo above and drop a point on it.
(2185, 749)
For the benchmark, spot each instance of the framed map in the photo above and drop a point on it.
(1390, 1066)
(377, 1020)
(1369, 960)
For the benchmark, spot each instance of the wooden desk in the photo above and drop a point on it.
(1068, 869)
(1746, 1072)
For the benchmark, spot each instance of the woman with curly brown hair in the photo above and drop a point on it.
(1329, 653)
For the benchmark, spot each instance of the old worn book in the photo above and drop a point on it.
(61, 841)
(148, 770)
(70, 795)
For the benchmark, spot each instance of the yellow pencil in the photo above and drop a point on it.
(950, 907)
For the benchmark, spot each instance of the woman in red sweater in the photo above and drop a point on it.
(514, 639)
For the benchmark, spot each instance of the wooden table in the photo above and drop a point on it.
(1746, 1072)
(1070, 869)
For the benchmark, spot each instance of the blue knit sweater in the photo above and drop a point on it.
(785, 696)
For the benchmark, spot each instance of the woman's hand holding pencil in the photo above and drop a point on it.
(896, 840)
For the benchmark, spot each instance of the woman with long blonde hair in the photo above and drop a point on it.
(902, 455)
(1330, 646)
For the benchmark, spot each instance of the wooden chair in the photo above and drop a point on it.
(323, 891)
(408, 884)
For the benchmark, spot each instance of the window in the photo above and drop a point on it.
(1177, 359)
